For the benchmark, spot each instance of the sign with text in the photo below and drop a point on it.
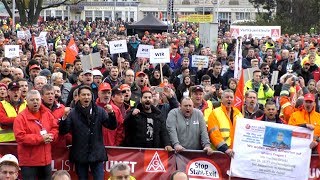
(118, 46)
(265, 150)
(200, 61)
(43, 33)
(21, 34)
(11, 51)
(41, 41)
(256, 31)
(144, 51)
(196, 18)
(160, 55)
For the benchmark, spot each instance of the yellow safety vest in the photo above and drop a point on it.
(207, 111)
(7, 135)
(224, 126)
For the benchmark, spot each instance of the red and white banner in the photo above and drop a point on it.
(157, 163)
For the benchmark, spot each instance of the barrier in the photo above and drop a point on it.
(157, 163)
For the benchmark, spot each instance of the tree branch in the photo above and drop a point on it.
(65, 2)
(6, 5)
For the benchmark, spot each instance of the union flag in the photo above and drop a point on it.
(71, 53)
(239, 94)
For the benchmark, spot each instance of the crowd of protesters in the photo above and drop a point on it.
(126, 102)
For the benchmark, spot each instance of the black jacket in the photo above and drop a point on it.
(226, 76)
(136, 129)
(87, 139)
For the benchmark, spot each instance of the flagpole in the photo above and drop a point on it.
(236, 61)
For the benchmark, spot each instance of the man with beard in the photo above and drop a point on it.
(140, 79)
(251, 108)
(9, 109)
(5, 69)
(265, 71)
(308, 110)
(34, 71)
(113, 77)
(85, 121)
(187, 128)
(57, 94)
(224, 118)
(110, 137)
(35, 129)
(77, 68)
(24, 88)
(144, 126)
(270, 113)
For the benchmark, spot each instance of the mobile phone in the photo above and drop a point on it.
(159, 89)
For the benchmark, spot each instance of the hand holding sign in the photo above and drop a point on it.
(118, 46)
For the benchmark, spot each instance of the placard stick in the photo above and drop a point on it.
(119, 64)
(161, 73)
(91, 63)
(142, 67)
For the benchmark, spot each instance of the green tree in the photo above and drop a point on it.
(29, 10)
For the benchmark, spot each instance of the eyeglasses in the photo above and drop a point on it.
(265, 68)
(125, 91)
(129, 75)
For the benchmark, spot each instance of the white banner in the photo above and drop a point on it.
(256, 31)
(144, 51)
(91, 62)
(200, 61)
(21, 35)
(160, 55)
(265, 150)
(118, 46)
(11, 51)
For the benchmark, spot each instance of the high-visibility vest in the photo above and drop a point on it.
(7, 135)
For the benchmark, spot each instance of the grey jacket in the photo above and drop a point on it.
(189, 133)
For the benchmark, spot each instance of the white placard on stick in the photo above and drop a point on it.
(274, 77)
(160, 55)
(267, 150)
(41, 41)
(43, 33)
(200, 61)
(91, 62)
(144, 50)
(118, 46)
(11, 51)
(21, 34)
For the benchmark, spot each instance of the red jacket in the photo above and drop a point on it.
(32, 151)
(113, 137)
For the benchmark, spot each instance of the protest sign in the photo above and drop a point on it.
(200, 61)
(11, 51)
(91, 62)
(265, 150)
(144, 50)
(118, 46)
(159, 55)
(256, 31)
(28, 34)
(21, 34)
(41, 41)
(43, 33)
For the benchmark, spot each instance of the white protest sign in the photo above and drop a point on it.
(160, 55)
(43, 33)
(274, 77)
(266, 150)
(21, 34)
(11, 51)
(144, 51)
(41, 41)
(86, 61)
(256, 31)
(28, 34)
(200, 61)
(118, 46)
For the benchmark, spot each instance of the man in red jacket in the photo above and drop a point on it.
(35, 129)
(110, 137)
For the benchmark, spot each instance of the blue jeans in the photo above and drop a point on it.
(96, 168)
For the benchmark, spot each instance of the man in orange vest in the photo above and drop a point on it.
(222, 122)
(9, 109)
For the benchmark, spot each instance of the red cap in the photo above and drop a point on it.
(309, 97)
(174, 47)
(35, 66)
(4, 85)
(124, 86)
(104, 86)
(306, 62)
(145, 89)
(140, 73)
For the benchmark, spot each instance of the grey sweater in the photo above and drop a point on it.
(189, 133)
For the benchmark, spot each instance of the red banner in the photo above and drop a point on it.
(157, 163)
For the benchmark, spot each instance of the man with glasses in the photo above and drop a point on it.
(135, 89)
(9, 167)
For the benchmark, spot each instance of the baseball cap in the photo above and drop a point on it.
(145, 89)
(104, 86)
(9, 158)
(96, 72)
(140, 73)
(45, 72)
(306, 62)
(197, 88)
(174, 47)
(309, 97)
(13, 85)
(35, 66)
(116, 90)
(3, 85)
(248, 41)
(87, 72)
(124, 86)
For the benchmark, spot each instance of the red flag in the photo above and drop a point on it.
(71, 53)
(239, 95)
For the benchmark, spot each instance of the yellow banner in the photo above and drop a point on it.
(197, 18)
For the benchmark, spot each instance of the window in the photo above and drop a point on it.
(108, 14)
(88, 13)
(224, 15)
(242, 15)
(98, 14)
(58, 13)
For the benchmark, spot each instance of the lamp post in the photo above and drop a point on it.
(13, 15)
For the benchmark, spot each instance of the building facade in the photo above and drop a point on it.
(134, 10)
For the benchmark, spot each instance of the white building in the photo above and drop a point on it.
(229, 10)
